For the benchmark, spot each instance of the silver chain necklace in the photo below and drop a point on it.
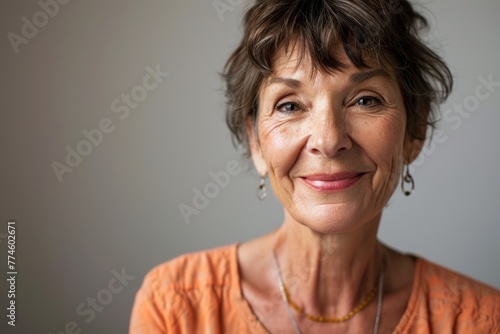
(289, 309)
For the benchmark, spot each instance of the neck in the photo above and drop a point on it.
(328, 274)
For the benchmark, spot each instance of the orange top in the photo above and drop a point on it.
(200, 293)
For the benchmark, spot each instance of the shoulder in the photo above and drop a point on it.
(194, 270)
(443, 299)
(187, 291)
(448, 284)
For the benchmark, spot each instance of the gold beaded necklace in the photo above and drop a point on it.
(346, 317)
(289, 303)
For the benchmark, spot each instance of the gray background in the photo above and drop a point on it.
(119, 207)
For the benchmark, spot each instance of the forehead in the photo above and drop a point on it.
(297, 63)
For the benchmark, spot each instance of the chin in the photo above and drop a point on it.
(331, 218)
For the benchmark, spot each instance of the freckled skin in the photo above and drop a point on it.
(329, 130)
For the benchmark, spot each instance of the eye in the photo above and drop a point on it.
(369, 101)
(288, 107)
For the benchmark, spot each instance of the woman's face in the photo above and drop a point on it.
(332, 145)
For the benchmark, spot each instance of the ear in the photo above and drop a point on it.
(256, 152)
(412, 149)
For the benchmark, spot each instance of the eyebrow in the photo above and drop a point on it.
(355, 77)
(366, 75)
(289, 82)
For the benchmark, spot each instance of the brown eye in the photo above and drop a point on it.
(369, 101)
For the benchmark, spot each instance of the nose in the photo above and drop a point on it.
(329, 133)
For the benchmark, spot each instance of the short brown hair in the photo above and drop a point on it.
(386, 31)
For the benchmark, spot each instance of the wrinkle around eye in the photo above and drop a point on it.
(269, 126)
(393, 116)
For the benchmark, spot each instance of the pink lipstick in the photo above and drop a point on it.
(332, 182)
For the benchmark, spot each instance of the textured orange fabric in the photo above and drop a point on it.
(200, 293)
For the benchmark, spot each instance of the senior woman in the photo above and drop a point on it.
(333, 99)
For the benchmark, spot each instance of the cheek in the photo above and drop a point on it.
(383, 142)
(281, 146)
(383, 135)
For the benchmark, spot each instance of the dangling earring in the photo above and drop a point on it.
(407, 178)
(261, 190)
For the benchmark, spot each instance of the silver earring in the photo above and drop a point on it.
(261, 190)
(407, 178)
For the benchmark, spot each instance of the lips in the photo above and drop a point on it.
(332, 182)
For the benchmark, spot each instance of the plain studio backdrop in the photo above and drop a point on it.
(101, 150)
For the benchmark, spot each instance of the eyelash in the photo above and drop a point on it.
(377, 102)
(281, 105)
